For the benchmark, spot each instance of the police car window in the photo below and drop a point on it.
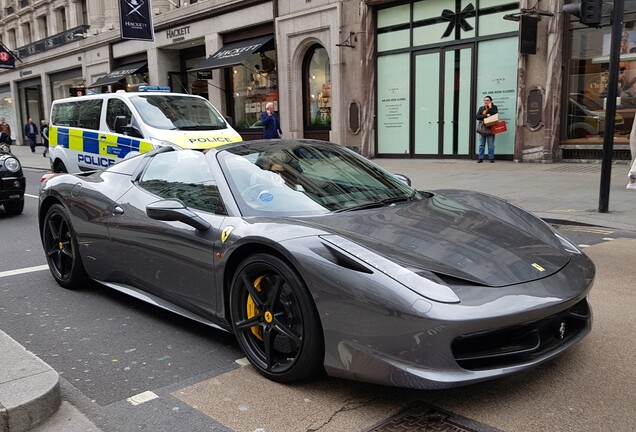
(88, 113)
(64, 114)
(115, 108)
(178, 112)
(185, 175)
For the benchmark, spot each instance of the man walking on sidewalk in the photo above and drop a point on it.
(30, 133)
(44, 133)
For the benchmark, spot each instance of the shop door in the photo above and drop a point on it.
(443, 122)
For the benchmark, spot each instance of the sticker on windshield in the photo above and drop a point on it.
(265, 196)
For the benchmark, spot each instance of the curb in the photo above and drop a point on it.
(29, 388)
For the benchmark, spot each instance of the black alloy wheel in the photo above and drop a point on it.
(60, 246)
(275, 320)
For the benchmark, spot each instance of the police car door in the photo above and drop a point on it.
(117, 145)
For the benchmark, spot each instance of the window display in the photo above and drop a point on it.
(588, 87)
(317, 88)
(254, 84)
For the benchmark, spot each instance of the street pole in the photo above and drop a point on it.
(610, 109)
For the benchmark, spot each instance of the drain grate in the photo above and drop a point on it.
(578, 168)
(423, 418)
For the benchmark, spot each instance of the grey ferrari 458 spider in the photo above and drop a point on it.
(319, 260)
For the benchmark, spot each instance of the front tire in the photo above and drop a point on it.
(275, 320)
(14, 207)
(62, 252)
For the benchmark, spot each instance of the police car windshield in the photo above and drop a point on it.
(172, 112)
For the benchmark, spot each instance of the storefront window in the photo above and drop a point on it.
(317, 82)
(63, 89)
(588, 86)
(254, 84)
(6, 111)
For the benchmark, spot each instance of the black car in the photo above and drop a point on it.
(12, 182)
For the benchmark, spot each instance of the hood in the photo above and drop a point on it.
(199, 139)
(493, 248)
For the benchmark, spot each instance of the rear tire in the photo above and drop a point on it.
(275, 320)
(62, 252)
(59, 167)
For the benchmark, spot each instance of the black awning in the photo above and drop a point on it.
(233, 53)
(118, 74)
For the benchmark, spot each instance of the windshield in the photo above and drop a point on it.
(291, 178)
(181, 112)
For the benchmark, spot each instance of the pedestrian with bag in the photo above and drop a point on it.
(270, 122)
(486, 137)
(44, 133)
(31, 133)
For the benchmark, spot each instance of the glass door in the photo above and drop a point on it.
(443, 90)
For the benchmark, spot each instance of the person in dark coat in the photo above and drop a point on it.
(31, 133)
(270, 122)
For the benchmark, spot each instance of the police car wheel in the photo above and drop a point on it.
(62, 252)
(59, 167)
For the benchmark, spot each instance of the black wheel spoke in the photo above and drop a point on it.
(268, 345)
(273, 291)
(53, 231)
(250, 322)
(285, 331)
(253, 293)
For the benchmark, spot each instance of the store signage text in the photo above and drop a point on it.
(236, 51)
(178, 34)
(25, 72)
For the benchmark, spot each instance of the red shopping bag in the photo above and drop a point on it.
(498, 128)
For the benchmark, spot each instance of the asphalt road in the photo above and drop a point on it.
(108, 348)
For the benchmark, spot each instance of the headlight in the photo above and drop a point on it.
(421, 285)
(156, 143)
(12, 164)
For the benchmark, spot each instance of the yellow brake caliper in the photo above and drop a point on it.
(252, 310)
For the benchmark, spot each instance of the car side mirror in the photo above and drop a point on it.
(123, 127)
(174, 210)
(404, 179)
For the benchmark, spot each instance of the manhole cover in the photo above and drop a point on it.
(423, 418)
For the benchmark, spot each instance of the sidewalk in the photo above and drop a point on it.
(558, 192)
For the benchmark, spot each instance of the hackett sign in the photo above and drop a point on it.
(236, 51)
(135, 20)
(178, 33)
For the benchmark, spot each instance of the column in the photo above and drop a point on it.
(111, 21)
(96, 14)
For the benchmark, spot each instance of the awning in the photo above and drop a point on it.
(118, 74)
(233, 53)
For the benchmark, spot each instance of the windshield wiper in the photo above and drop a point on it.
(379, 203)
(201, 127)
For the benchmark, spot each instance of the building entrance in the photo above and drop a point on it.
(442, 105)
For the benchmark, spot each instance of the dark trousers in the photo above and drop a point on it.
(32, 143)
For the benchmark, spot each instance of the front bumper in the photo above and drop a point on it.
(12, 188)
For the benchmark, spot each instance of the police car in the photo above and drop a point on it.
(95, 131)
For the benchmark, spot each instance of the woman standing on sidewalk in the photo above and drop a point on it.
(485, 135)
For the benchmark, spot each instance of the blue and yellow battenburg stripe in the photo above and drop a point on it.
(94, 142)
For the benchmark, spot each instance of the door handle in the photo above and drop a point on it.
(102, 137)
(118, 210)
